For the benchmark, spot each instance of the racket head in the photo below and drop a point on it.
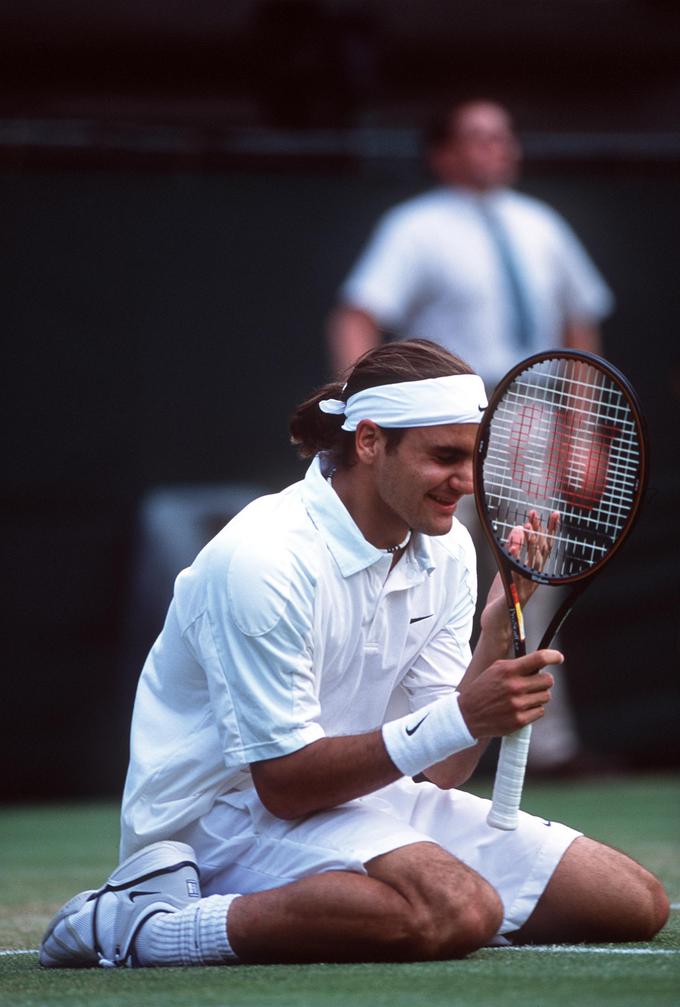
(563, 432)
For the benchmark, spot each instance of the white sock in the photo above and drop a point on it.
(195, 935)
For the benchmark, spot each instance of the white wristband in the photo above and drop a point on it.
(427, 736)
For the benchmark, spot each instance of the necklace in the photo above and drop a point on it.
(402, 545)
(390, 549)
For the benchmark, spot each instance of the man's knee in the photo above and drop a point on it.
(650, 907)
(456, 926)
(632, 886)
(448, 909)
(446, 928)
(597, 894)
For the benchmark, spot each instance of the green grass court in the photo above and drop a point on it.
(50, 852)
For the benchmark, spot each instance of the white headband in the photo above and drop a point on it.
(456, 398)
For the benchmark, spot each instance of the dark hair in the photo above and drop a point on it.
(411, 360)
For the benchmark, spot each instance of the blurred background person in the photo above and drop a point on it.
(472, 264)
(492, 274)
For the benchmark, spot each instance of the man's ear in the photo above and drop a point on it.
(369, 441)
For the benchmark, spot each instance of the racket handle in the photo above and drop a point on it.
(507, 788)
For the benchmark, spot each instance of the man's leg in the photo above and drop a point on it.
(596, 894)
(417, 903)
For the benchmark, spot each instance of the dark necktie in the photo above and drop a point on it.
(516, 287)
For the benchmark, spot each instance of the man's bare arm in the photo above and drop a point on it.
(582, 336)
(324, 774)
(496, 701)
(350, 332)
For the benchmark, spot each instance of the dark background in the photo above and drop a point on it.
(182, 189)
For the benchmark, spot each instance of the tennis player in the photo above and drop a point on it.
(311, 707)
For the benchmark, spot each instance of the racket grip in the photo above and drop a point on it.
(507, 788)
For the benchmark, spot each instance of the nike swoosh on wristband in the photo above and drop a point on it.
(481, 408)
(412, 730)
(419, 618)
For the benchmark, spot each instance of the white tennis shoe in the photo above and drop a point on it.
(99, 927)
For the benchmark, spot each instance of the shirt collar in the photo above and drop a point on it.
(490, 197)
(351, 551)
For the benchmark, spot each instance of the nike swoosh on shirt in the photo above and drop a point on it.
(419, 618)
(412, 730)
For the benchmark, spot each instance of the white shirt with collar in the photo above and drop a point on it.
(288, 627)
(431, 270)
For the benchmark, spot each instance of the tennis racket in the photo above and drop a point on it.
(562, 437)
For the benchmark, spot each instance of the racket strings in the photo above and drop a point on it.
(564, 438)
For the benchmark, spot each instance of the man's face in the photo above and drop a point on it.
(424, 477)
(483, 152)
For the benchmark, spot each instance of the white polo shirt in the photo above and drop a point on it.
(431, 270)
(289, 626)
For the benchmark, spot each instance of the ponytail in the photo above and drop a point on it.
(312, 431)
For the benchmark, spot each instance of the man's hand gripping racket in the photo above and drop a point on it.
(560, 469)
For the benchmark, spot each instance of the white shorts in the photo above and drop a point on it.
(242, 848)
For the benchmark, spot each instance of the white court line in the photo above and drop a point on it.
(541, 948)
(553, 948)
(538, 948)
(583, 949)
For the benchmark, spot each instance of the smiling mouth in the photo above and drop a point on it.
(443, 501)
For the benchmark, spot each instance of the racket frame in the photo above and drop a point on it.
(514, 748)
(482, 445)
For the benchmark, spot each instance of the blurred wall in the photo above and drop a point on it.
(161, 326)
